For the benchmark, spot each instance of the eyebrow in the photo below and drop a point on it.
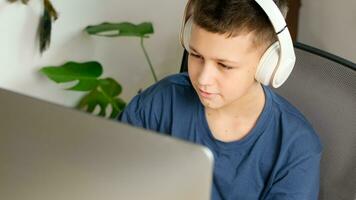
(219, 60)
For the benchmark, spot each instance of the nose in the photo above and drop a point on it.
(206, 75)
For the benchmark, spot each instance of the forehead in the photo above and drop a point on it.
(223, 45)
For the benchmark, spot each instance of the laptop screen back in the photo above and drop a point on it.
(52, 152)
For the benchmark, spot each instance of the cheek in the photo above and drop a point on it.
(252, 76)
(247, 76)
(193, 69)
(237, 82)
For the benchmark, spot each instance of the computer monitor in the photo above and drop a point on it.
(48, 151)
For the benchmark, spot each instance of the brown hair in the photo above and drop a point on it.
(234, 17)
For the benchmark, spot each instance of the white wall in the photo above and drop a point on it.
(122, 58)
(326, 24)
(329, 25)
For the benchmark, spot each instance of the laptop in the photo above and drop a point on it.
(48, 151)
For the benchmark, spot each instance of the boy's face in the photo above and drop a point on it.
(221, 69)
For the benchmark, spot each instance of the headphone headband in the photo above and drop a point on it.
(187, 13)
(287, 55)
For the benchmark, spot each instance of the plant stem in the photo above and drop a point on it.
(148, 60)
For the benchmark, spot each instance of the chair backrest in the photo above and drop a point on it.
(323, 87)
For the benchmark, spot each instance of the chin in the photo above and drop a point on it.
(211, 105)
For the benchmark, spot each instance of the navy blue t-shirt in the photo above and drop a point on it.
(278, 159)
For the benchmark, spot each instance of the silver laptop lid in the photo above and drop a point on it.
(48, 151)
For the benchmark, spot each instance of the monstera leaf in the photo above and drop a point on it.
(85, 73)
(101, 92)
(102, 96)
(121, 29)
(108, 29)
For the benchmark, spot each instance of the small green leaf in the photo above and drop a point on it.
(45, 25)
(86, 73)
(121, 29)
(44, 31)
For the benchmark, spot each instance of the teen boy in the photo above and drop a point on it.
(263, 147)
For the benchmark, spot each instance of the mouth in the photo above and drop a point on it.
(205, 94)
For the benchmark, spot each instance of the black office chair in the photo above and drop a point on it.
(323, 87)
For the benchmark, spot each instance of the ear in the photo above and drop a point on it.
(268, 64)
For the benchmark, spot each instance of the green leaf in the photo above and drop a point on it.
(100, 98)
(86, 73)
(91, 100)
(45, 25)
(110, 87)
(120, 29)
(44, 31)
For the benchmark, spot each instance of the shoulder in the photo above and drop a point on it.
(166, 89)
(155, 107)
(297, 132)
(169, 82)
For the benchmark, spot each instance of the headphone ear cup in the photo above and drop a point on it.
(187, 30)
(268, 64)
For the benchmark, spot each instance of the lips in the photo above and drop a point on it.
(205, 94)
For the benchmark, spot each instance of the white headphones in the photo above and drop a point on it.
(277, 62)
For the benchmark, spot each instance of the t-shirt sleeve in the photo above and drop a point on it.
(299, 181)
(299, 177)
(155, 107)
(132, 114)
(146, 110)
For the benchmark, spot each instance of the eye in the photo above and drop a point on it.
(225, 66)
(195, 56)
